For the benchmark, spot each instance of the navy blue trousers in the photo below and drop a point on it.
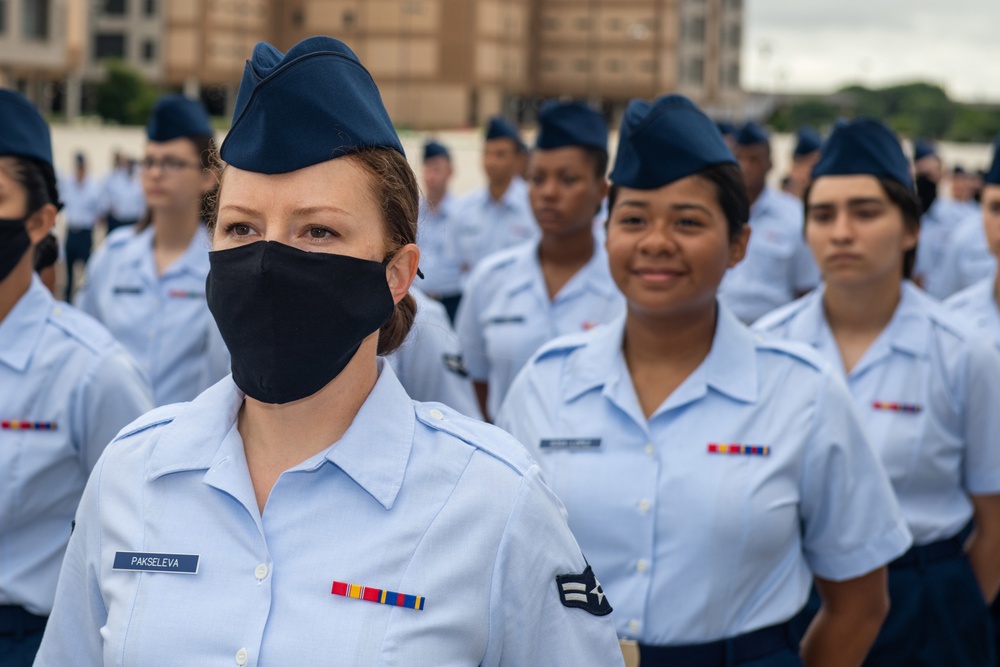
(78, 246)
(20, 636)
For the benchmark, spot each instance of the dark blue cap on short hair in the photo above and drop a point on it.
(25, 134)
(807, 140)
(923, 148)
(500, 128)
(992, 177)
(176, 116)
(863, 146)
(562, 124)
(751, 134)
(435, 149)
(315, 103)
(665, 141)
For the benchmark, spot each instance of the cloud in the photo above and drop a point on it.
(820, 46)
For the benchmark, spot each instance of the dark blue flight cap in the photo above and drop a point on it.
(863, 146)
(562, 124)
(665, 141)
(807, 141)
(751, 134)
(176, 116)
(500, 128)
(25, 134)
(313, 104)
(992, 177)
(923, 148)
(726, 128)
(435, 149)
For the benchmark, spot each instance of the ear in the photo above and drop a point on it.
(910, 238)
(402, 270)
(40, 223)
(738, 246)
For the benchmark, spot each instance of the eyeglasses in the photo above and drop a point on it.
(170, 165)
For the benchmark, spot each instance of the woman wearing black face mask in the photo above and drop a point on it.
(66, 387)
(314, 509)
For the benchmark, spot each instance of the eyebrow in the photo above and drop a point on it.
(856, 201)
(299, 212)
(685, 206)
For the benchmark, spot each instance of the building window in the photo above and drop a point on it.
(109, 45)
(3, 16)
(581, 65)
(647, 66)
(694, 30)
(114, 7)
(550, 65)
(149, 8)
(550, 23)
(613, 65)
(732, 78)
(582, 23)
(35, 19)
(348, 20)
(297, 18)
(149, 50)
(615, 24)
(695, 71)
(733, 36)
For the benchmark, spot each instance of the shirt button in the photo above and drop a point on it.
(644, 506)
(437, 414)
(242, 656)
(634, 626)
(650, 449)
(642, 565)
(260, 571)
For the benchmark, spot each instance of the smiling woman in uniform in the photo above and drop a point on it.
(307, 510)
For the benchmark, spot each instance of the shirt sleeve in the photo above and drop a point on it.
(114, 394)
(73, 632)
(852, 524)
(470, 330)
(981, 468)
(529, 623)
(86, 296)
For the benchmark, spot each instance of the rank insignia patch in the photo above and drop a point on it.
(583, 591)
(455, 364)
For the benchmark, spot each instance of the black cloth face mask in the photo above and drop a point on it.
(293, 319)
(14, 242)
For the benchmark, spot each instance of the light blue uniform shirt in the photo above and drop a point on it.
(82, 201)
(942, 447)
(485, 226)
(693, 546)
(937, 233)
(429, 363)
(778, 264)
(978, 305)
(162, 320)
(413, 498)
(123, 196)
(506, 313)
(967, 259)
(64, 373)
(438, 256)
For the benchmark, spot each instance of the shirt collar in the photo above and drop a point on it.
(763, 201)
(730, 367)
(21, 330)
(195, 258)
(373, 451)
(594, 276)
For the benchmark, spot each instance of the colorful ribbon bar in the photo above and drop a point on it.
(22, 425)
(359, 592)
(184, 294)
(747, 450)
(897, 407)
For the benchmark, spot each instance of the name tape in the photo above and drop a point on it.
(134, 561)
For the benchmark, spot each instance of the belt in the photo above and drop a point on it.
(16, 622)
(930, 553)
(723, 652)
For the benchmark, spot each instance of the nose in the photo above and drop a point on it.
(841, 228)
(658, 241)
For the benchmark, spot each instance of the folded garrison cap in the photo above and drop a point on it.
(312, 104)
(176, 116)
(992, 176)
(923, 148)
(863, 146)
(500, 128)
(24, 133)
(562, 124)
(751, 134)
(807, 140)
(435, 149)
(665, 141)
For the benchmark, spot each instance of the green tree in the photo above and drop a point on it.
(124, 96)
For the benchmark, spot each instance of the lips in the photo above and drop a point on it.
(657, 275)
(549, 215)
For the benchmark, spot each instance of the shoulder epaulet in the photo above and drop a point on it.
(492, 440)
(153, 419)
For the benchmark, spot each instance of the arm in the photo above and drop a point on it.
(848, 620)
(983, 547)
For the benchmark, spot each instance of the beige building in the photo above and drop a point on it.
(438, 63)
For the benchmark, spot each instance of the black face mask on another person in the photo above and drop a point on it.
(14, 242)
(292, 320)
(926, 191)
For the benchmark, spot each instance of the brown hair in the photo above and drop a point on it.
(208, 153)
(393, 186)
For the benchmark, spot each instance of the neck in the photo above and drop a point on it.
(173, 230)
(755, 195)
(499, 189)
(574, 249)
(677, 340)
(279, 437)
(434, 199)
(862, 307)
(15, 285)
(996, 286)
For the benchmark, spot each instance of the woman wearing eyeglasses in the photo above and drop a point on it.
(147, 283)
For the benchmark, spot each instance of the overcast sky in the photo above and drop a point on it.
(820, 45)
